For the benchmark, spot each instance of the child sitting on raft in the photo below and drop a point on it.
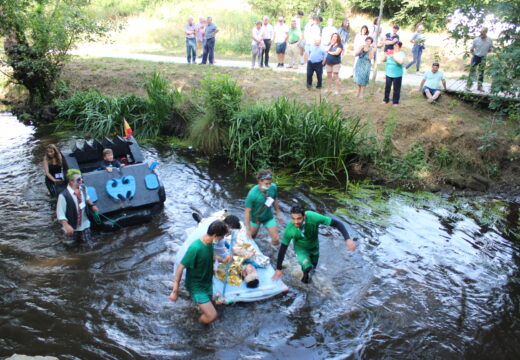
(108, 162)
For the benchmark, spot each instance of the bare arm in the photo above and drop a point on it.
(46, 169)
(371, 54)
(278, 213)
(422, 84)
(443, 84)
(247, 220)
(358, 51)
(400, 60)
(176, 282)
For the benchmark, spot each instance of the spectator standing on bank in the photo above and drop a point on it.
(390, 39)
(333, 62)
(293, 49)
(359, 41)
(301, 44)
(372, 33)
(431, 83)
(365, 53)
(257, 44)
(344, 33)
(327, 32)
(395, 59)
(209, 46)
(191, 41)
(311, 33)
(281, 34)
(200, 35)
(480, 48)
(267, 35)
(418, 40)
(315, 64)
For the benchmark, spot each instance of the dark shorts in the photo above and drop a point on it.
(280, 48)
(78, 237)
(432, 91)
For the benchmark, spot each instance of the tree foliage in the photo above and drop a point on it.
(37, 36)
(332, 8)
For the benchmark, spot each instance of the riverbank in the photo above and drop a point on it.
(466, 147)
(449, 146)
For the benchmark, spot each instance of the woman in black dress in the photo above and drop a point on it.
(52, 166)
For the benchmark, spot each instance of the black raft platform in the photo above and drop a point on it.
(129, 195)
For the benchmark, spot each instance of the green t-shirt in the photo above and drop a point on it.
(198, 261)
(305, 237)
(294, 35)
(255, 200)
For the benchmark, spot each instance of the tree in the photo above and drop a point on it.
(38, 35)
(290, 7)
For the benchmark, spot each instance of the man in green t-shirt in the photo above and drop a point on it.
(303, 231)
(259, 204)
(198, 261)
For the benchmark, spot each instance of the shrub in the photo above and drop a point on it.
(291, 135)
(220, 99)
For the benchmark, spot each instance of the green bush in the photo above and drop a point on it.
(97, 115)
(220, 98)
(306, 138)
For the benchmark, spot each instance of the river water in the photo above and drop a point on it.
(430, 279)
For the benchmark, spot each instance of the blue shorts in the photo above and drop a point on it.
(432, 91)
(280, 48)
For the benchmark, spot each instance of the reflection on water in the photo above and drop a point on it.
(429, 280)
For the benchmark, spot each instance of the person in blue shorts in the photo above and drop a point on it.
(431, 83)
(260, 201)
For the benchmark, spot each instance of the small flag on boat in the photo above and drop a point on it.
(127, 128)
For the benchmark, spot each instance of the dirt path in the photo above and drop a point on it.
(454, 85)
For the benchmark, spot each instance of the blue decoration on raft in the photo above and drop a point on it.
(121, 188)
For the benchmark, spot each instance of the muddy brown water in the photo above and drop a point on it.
(428, 282)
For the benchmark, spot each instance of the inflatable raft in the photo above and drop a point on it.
(129, 195)
(231, 293)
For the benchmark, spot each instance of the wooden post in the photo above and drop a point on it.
(374, 74)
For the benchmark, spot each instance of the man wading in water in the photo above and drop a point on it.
(199, 276)
(303, 231)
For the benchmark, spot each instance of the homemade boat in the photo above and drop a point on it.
(235, 290)
(129, 195)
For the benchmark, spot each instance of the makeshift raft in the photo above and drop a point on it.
(129, 195)
(229, 293)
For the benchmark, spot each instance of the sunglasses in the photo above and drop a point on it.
(78, 180)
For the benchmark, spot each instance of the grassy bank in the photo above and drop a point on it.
(415, 145)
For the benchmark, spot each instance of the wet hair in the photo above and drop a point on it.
(218, 228)
(264, 174)
(253, 283)
(107, 152)
(297, 209)
(71, 173)
(370, 38)
(364, 27)
(400, 44)
(57, 154)
(338, 41)
(300, 12)
(232, 221)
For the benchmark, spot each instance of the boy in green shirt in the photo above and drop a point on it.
(198, 261)
(259, 204)
(303, 231)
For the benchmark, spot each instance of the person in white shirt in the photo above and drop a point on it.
(311, 32)
(267, 36)
(257, 43)
(327, 32)
(281, 33)
(359, 41)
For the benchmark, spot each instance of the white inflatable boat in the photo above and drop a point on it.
(230, 293)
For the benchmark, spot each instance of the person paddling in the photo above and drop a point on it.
(303, 231)
(259, 207)
(198, 261)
